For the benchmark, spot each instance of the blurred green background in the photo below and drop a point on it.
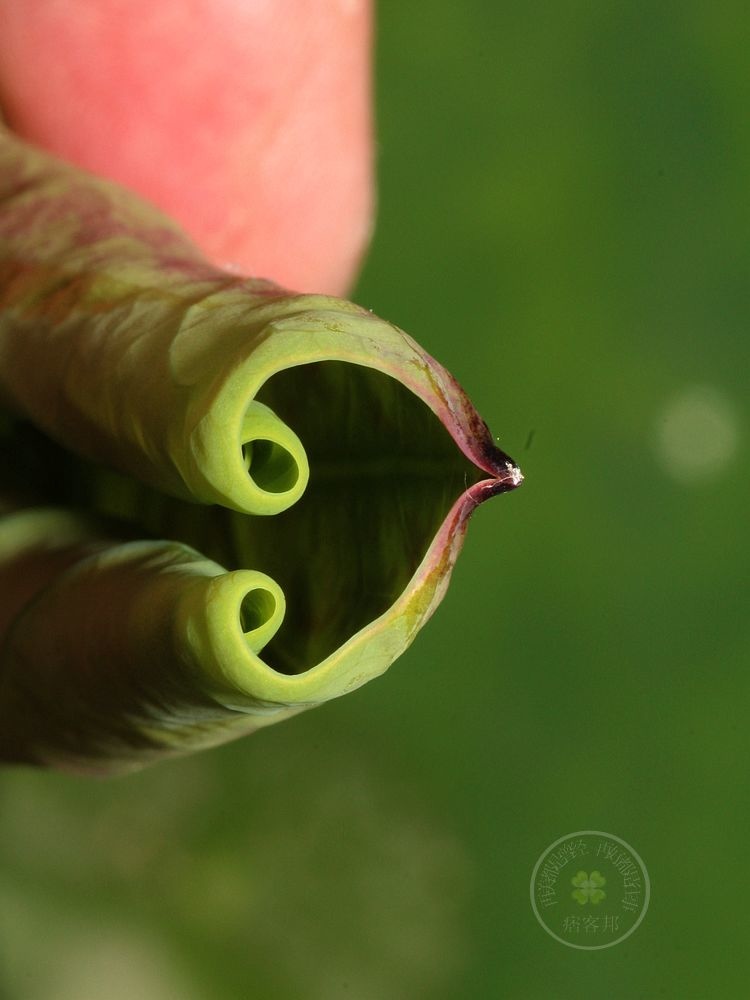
(564, 222)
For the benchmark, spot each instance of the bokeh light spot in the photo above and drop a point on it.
(697, 434)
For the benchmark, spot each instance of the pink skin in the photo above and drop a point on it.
(248, 121)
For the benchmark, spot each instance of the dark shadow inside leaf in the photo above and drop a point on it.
(384, 473)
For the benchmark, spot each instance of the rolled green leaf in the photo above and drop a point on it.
(142, 384)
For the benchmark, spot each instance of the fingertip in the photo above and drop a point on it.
(249, 123)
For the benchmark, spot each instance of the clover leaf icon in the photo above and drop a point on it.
(588, 887)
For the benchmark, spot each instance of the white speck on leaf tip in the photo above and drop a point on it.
(516, 475)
